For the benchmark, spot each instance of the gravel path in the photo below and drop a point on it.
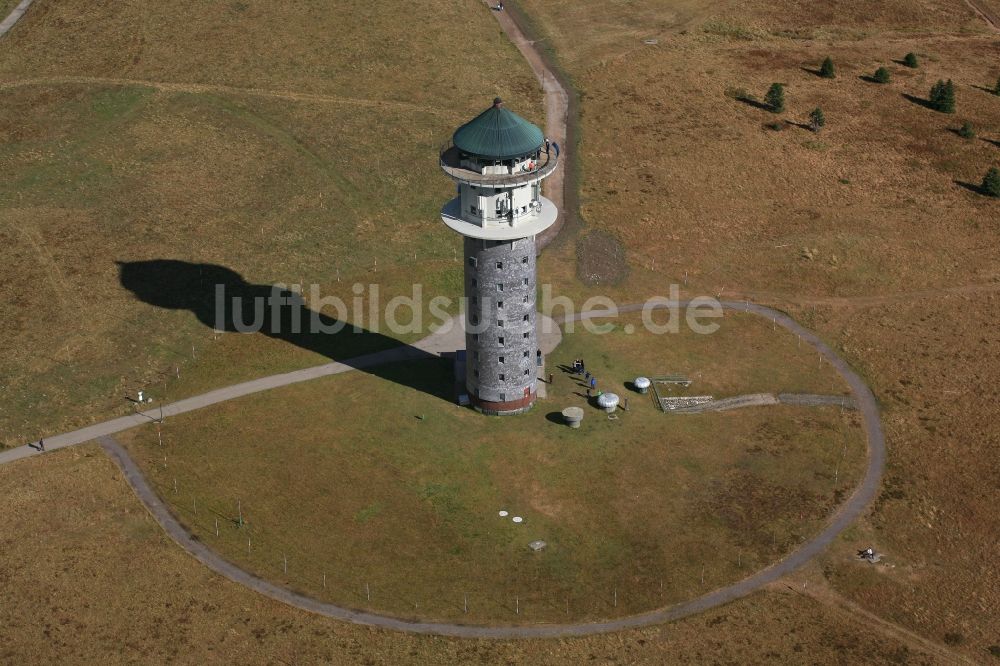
(761, 399)
(863, 399)
(14, 16)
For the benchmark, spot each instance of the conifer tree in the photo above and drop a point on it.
(826, 69)
(881, 75)
(991, 182)
(775, 98)
(816, 119)
(910, 60)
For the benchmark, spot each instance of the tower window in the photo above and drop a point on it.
(499, 264)
(500, 323)
(500, 359)
(500, 339)
(526, 373)
(500, 285)
(525, 335)
(526, 282)
(525, 354)
(473, 210)
(524, 260)
(525, 299)
(501, 376)
(500, 305)
(475, 319)
(525, 317)
(472, 260)
(475, 336)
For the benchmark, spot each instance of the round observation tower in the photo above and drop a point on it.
(499, 160)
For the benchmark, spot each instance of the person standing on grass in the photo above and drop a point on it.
(546, 145)
(41, 444)
(550, 379)
(593, 382)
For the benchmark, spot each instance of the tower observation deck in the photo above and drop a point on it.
(498, 161)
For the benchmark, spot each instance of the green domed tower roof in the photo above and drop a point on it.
(498, 134)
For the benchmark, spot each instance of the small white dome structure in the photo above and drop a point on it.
(608, 402)
(641, 384)
(572, 416)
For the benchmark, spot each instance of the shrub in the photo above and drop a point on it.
(991, 182)
(826, 69)
(966, 131)
(942, 96)
(881, 75)
(816, 119)
(775, 98)
(775, 125)
(910, 60)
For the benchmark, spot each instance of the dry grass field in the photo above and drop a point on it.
(286, 142)
(683, 182)
(383, 486)
(299, 148)
(98, 581)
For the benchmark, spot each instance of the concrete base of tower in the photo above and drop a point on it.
(507, 408)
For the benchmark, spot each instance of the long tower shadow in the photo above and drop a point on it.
(276, 313)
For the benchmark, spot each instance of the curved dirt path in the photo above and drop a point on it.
(991, 19)
(556, 114)
(14, 16)
(844, 516)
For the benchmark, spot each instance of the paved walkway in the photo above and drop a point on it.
(863, 398)
(445, 340)
(14, 16)
(763, 399)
